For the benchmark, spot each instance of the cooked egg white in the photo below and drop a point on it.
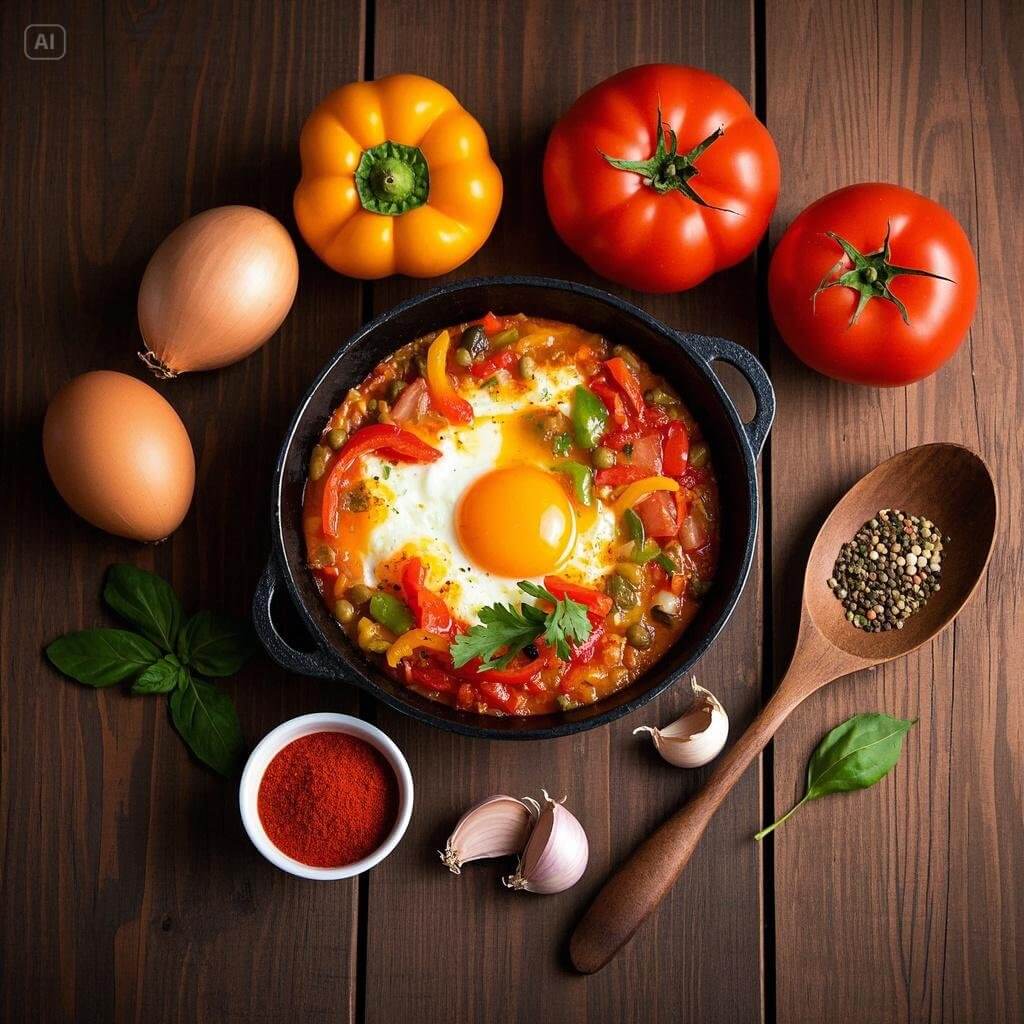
(421, 505)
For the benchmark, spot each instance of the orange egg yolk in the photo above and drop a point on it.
(516, 522)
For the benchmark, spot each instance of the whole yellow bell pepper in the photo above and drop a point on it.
(397, 178)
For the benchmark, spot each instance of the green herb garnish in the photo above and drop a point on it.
(503, 627)
(562, 444)
(854, 755)
(170, 656)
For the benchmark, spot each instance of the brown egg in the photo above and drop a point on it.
(119, 455)
(216, 289)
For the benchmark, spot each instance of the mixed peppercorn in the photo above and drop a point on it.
(888, 571)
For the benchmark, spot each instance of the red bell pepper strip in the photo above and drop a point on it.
(626, 379)
(491, 324)
(429, 610)
(585, 651)
(612, 400)
(676, 449)
(503, 360)
(386, 438)
(593, 600)
(617, 476)
(466, 696)
(509, 676)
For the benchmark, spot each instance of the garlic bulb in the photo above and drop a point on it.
(698, 736)
(556, 853)
(495, 827)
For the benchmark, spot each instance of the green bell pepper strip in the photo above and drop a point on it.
(644, 550)
(391, 613)
(666, 563)
(582, 480)
(635, 527)
(589, 418)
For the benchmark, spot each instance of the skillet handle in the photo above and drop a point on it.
(744, 361)
(303, 663)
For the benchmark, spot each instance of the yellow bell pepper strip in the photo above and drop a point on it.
(443, 396)
(397, 178)
(640, 488)
(413, 640)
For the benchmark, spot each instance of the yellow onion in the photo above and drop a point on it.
(215, 290)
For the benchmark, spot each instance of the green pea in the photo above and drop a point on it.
(527, 367)
(463, 358)
(359, 594)
(639, 636)
(337, 437)
(395, 388)
(604, 458)
(318, 460)
(344, 611)
(699, 455)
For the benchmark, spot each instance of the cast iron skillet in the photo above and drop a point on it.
(684, 359)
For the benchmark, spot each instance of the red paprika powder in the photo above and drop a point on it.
(328, 799)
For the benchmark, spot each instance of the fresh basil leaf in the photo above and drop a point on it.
(102, 657)
(146, 601)
(161, 677)
(214, 645)
(854, 755)
(208, 723)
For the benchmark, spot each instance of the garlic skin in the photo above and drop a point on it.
(695, 738)
(496, 827)
(556, 854)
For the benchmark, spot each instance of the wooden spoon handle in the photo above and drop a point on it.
(636, 889)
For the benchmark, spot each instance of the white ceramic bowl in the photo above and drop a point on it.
(274, 741)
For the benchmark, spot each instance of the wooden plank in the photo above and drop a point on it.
(129, 891)
(441, 948)
(898, 904)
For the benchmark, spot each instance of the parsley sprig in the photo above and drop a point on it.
(505, 628)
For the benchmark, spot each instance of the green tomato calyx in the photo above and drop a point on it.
(870, 275)
(669, 170)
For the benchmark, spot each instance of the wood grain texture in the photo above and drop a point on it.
(441, 948)
(895, 904)
(129, 890)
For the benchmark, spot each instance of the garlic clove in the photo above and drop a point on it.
(697, 736)
(495, 827)
(555, 855)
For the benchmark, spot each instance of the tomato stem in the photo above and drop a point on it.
(870, 275)
(669, 170)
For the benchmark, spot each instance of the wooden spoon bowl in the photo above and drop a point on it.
(947, 483)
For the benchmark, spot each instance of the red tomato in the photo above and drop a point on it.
(658, 512)
(660, 176)
(889, 306)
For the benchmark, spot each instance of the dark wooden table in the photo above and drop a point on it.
(129, 891)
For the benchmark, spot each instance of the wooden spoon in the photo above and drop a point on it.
(948, 484)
